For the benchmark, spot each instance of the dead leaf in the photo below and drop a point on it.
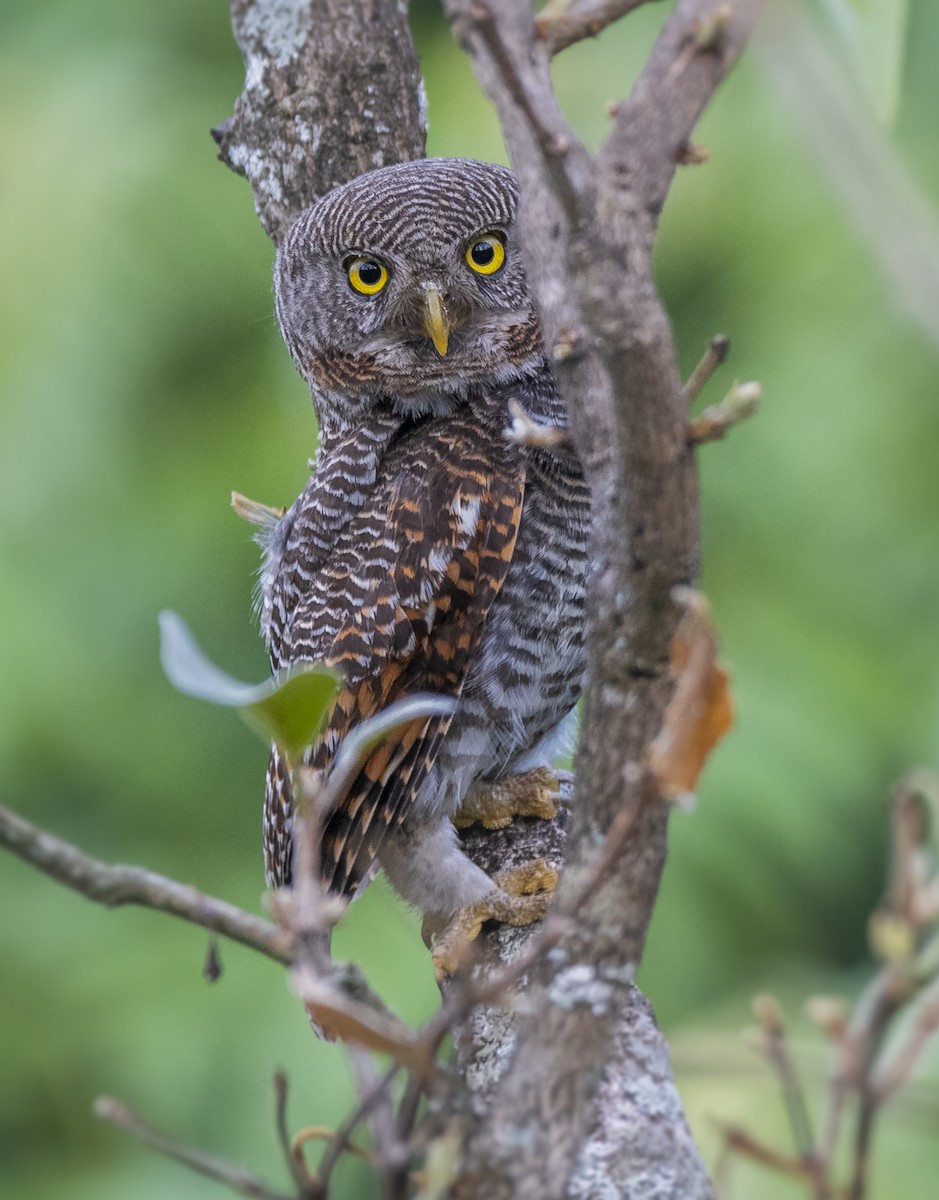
(700, 712)
(342, 1019)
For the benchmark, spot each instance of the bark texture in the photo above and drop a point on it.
(634, 1140)
(332, 89)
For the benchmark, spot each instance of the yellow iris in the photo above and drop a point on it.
(366, 275)
(486, 253)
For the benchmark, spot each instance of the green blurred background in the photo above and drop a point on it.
(142, 379)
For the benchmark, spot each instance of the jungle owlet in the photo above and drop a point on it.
(427, 553)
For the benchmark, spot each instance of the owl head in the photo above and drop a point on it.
(407, 284)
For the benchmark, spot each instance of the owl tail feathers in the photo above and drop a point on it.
(366, 880)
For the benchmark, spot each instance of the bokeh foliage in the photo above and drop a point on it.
(142, 378)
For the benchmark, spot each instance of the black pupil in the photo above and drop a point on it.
(369, 273)
(482, 253)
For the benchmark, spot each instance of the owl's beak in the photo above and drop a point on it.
(436, 321)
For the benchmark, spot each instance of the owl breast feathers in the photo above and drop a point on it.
(427, 553)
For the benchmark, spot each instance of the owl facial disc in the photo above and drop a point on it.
(406, 282)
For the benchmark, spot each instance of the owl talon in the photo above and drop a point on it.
(533, 793)
(522, 898)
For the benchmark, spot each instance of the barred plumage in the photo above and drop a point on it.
(427, 553)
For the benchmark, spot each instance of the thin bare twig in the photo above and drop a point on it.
(697, 47)
(234, 1178)
(740, 403)
(860, 1160)
(307, 1187)
(341, 1142)
(740, 1142)
(775, 1046)
(562, 24)
(890, 1077)
(410, 1103)
(716, 353)
(390, 1155)
(323, 1133)
(116, 885)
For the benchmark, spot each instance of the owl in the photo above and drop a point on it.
(428, 553)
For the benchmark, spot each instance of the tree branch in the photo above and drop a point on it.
(200, 1161)
(117, 885)
(696, 49)
(588, 225)
(561, 23)
(338, 990)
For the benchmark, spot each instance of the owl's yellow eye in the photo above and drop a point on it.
(486, 253)
(366, 275)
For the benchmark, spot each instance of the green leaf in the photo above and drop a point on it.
(288, 709)
(873, 32)
(362, 740)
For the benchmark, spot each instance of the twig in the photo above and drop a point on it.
(554, 145)
(389, 1155)
(901, 935)
(234, 1178)
(113, 886)
(860, 1159)
(342, 1140)
(863, 1042)
(892, 991)
(312, 911)
(410, 1103)
(716, 353)
(740, 403)
(775, 1045)
(322, 1133)
(561, 25)
(116, 885)
(307, 1187)
(892, 1076)
(744, 1144)
(399, 1174)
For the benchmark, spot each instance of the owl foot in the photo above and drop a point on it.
(533, 793)
(522, 898)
